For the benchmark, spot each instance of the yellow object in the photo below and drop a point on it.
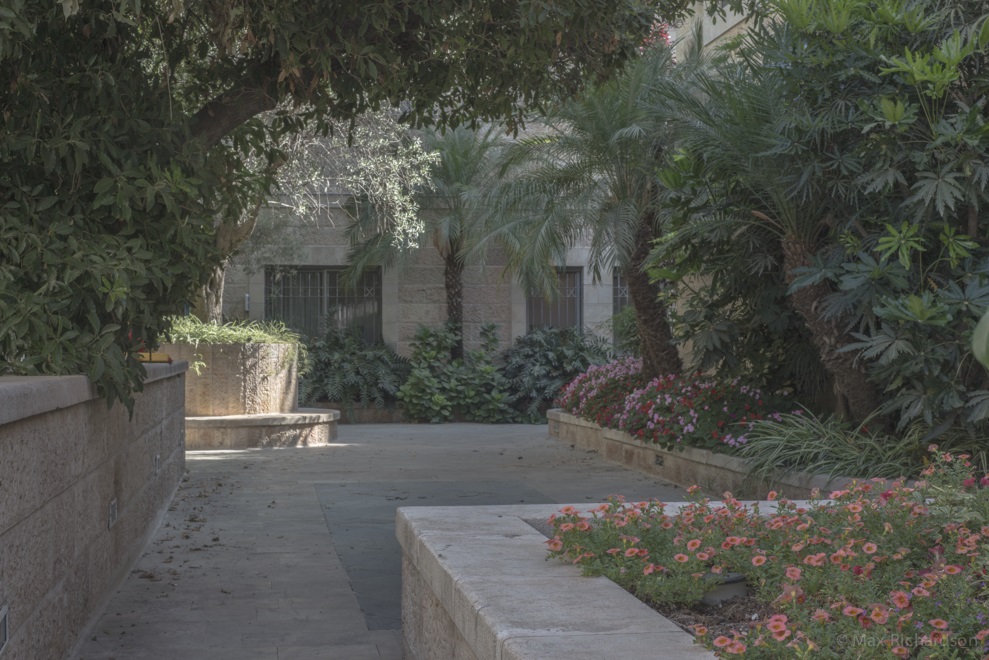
(154, 357)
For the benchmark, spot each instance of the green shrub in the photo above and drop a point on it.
(344, 368)
(190, 330)
(439, 389)
(626, 332)
(539, 364)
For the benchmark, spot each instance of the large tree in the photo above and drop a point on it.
(126, 125)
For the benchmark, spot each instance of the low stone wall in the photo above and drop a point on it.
(81, 489)
(713, 472)
(238, 379)
(476, 586)
(306, 427)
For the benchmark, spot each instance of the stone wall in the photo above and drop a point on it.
(238, 379)
(68, 465)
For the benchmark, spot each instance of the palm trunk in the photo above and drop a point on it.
(659, 355)
(850, 378)
(453, 274)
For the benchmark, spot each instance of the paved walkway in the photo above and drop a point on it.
(290, 553)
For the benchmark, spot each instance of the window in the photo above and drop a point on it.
(564, 312)
(619, 292)
(309, 300)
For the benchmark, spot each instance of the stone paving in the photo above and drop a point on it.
(279, 554)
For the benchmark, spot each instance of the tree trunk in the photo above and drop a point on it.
(209, 305)
(850, 378)
(453, 274)
(659, 355)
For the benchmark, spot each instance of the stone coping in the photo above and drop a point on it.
(488, 569)
(296, 418)
(26, 396)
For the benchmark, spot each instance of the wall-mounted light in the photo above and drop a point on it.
(247, 303)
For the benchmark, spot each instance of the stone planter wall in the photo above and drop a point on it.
(238, 379)
(476, 586)
(713, 472)
(245, 396)
(81, 490)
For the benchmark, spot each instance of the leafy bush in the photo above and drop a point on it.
(896, 571)
(190, 330)
(626, 332)
(696, 411)
(539, 364)
(344, 368)
(598, 395)
(439, 389)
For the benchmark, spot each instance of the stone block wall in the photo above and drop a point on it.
(66, 463)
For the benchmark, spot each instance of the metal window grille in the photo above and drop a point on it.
(567, 311)
(311, 300)
(619, 292)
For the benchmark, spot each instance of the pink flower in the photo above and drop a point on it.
(870, 548)
(900, 599)
(850, 610)
(758, 560)
(680, 557)
(940, 624)
(554, 544)
(793, 573)
(693, 544)
(772, 495)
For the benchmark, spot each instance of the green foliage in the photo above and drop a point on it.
(344, 368)
(626, 332)
(128, 127)
(843, 153)
(440, 389)
(539, 364)
(190, 330)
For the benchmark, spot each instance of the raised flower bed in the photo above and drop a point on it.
(685, 466)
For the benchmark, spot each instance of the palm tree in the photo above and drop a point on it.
(591, 175)
(451, 215)
(742, 122)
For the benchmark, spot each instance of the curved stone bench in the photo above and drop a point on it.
(306, 427)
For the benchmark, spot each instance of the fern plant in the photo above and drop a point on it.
(541, 363)
(344, 368)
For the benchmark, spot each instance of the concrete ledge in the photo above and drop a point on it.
(712, 471)
(476, 584)
(306, 427)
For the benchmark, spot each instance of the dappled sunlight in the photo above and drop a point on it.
(223, 454)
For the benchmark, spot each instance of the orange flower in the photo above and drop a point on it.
(771, 496)
(680, 557)
(721, 641)
(700, 630)
(737, 647)
(775, 626)
(901, 599)
(693, 544)
(703, 556)
(758, 560)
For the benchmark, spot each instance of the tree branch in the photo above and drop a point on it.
(224, 113)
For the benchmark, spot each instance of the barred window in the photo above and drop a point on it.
(310, 300)
(567, 311)
(619, 292)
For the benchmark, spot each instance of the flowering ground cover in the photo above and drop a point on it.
(878, 570)
(671, 411)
